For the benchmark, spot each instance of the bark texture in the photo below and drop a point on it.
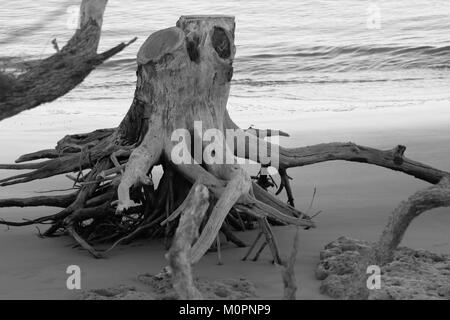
(422, 201)
(179, 254)
(56, 75)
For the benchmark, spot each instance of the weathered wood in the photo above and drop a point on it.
(183, 76)
(382, 252)
(424, 200)
(298, 157)
(83, 243)
(61, 201)
(42, 154)
(288, 272)
(269, 206)
(351, 152)
(230, 236)
(180, 253)
(182, 207)
(196, 56)
(237, 186)
(56, 75)
(270, 240)
(285, 184)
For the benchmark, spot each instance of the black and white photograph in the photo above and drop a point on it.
(232, 151)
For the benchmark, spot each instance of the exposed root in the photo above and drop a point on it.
(269, 240)
(66, 164)
(83, 243)
(61, 201)
(237, 186)
(180, 254)
(175, 214)
(230, 236)
(424, 200)
(43, 154)
(136, 171)
(285, 184)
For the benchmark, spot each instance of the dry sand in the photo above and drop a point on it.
(355, 199)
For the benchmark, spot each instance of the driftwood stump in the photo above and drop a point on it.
(183, 83)
(183, 78)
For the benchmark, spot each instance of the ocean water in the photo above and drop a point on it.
(292, 56)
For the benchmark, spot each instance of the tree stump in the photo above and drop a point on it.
(183, 84)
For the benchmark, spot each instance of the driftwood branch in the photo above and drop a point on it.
(83, 243)
(179, 254)
(56, 75)
(424, 200)
(60, 201)
(382, 253)
(285, 184)
(391, 159)
(288, 272)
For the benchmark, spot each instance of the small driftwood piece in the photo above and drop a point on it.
(288, 272)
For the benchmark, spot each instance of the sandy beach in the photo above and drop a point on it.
(356, 200)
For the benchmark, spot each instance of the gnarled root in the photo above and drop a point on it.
(136, 173)
(180, 254)
(238, 185)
